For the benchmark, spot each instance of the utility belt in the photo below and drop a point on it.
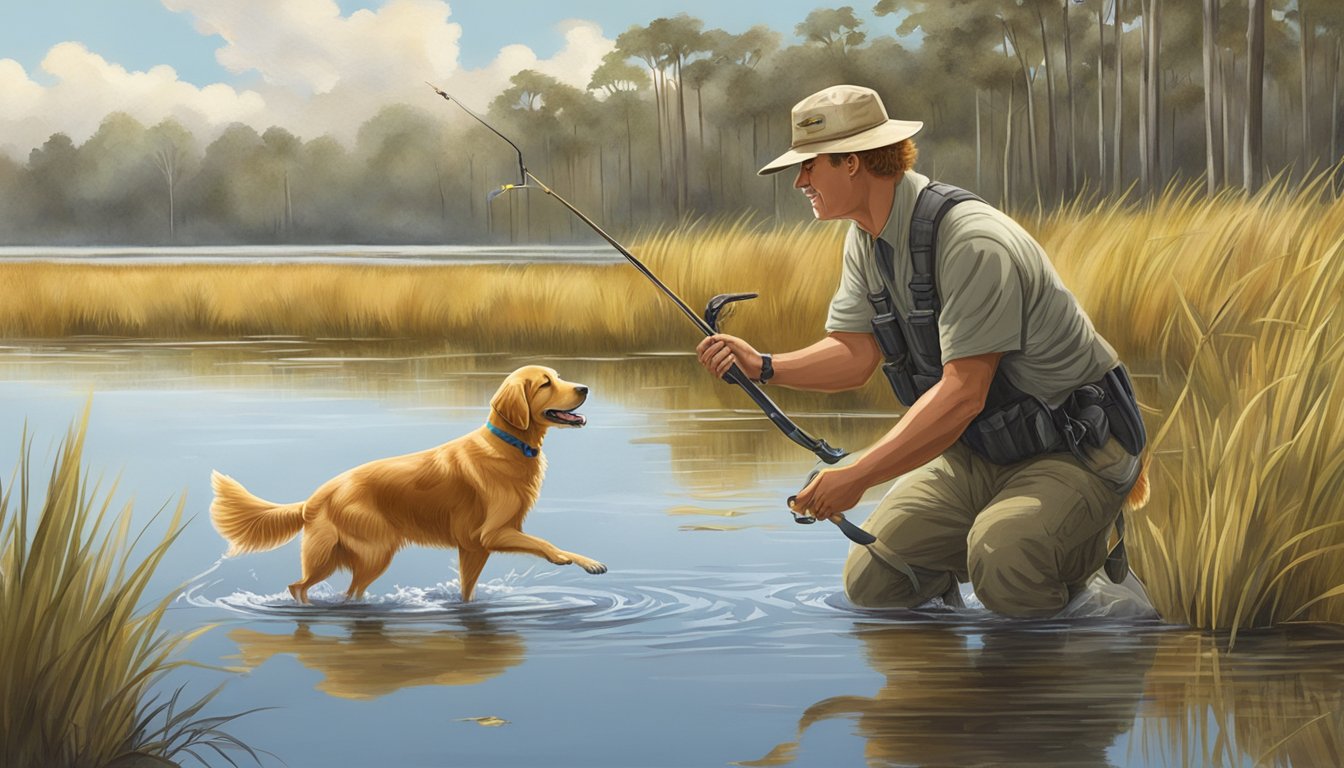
(1013, 425)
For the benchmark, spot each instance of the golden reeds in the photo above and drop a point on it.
(482, 307)
(79, 654)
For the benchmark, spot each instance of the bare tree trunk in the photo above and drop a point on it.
(1334, 102)
(660, 108)
(289, 205)
(1228, 72)
(1304, 47)
(979, 178)
(1285, 107)
(1254, 146)
(166, 157)
(683, 175)
(1071, 159)
(1101, 97)
(1212, 130)
(1031, 116)
(1049, 71)
(443, 198)
(1145, 180)
(1153, 35)
(629, 173)
(993, 129)
(1008, 148)
(1118, 133)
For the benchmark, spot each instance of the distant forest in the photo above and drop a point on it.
(1032, 103)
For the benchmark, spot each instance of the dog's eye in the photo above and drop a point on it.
(545, 384)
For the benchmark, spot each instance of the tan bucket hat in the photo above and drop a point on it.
(842, 118)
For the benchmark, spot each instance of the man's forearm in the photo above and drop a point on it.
(930, 427)
(834, 364)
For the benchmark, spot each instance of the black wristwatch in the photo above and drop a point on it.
(767, 369)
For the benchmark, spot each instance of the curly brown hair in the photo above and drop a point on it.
(891, 160)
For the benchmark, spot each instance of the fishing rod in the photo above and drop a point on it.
(707, 324)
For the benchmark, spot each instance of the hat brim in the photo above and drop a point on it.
(889, 132)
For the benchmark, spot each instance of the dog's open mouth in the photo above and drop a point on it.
(568, 418)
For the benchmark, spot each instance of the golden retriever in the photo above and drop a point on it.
(471, 493)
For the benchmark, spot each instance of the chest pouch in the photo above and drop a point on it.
(896, 366)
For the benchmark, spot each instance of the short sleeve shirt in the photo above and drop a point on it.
(999, 293)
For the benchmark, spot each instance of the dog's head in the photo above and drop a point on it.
(536, 397)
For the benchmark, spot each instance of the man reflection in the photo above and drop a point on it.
(1023, 696)
(373, 661)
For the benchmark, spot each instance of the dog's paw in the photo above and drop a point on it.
(591, 566)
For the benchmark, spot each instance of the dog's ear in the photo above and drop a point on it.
(510, 402)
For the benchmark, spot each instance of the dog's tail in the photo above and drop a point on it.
(1138, 495)
(248, 523)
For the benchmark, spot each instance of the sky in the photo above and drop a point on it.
(312, 66)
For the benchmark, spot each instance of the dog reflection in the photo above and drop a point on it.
(1036, 697)
(373, 661)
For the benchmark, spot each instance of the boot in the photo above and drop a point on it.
(1117, 562)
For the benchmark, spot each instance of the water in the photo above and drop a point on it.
(314, 254)
(720, 634)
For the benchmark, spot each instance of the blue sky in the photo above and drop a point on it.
(315, 67)
(139, 34)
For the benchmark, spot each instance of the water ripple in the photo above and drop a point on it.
(655, 608)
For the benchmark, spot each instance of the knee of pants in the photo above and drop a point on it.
(870, 584)
(1013, 571)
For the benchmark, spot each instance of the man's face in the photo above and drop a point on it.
(830, 188)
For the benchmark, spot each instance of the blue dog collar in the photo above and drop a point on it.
(527, 450)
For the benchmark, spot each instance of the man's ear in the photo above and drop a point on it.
(510, 402)
(852, 163)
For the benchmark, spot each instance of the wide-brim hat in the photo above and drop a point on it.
(842, 118)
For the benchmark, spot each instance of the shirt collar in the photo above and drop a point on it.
(897, 229)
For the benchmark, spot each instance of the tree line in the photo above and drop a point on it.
(1032, 103)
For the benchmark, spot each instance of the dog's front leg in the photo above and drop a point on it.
(470, 562)
(513, 540)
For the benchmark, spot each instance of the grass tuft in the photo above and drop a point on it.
(79, 653)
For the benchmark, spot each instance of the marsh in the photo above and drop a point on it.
(720, 634)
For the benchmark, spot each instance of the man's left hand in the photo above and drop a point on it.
(831, 492)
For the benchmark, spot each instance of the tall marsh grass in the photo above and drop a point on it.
(565, 308)
(78, 652)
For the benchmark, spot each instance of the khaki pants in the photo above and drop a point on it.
(1025, 535)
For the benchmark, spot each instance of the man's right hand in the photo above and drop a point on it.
(720, 352)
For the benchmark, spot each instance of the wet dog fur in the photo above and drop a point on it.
(471, 493)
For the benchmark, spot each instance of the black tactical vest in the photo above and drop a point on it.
(1013, 425)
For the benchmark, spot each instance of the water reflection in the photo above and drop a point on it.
(1055, 696)
(1275, 699)
(1058, 695)
(716, 437)
(372, 659)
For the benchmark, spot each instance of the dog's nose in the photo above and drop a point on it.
(581, 389)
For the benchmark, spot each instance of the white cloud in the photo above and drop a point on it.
(316, 71)
(308, 46)
(87, 87)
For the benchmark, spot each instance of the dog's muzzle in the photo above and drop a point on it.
(568, 417)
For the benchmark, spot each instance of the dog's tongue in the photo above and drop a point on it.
(570, 418)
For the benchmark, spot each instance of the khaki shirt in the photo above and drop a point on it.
(999, 293)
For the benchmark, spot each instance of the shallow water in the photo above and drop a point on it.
(312, 254)
(719, 635)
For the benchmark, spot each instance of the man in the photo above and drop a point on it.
(1008, 476)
